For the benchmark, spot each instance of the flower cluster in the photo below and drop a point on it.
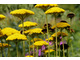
(54, 10)
(36, 39)
(16, 36)
(9, 31)
(28, 24)
(2, 17)
(4, 45)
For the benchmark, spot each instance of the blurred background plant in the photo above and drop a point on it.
(39, 18)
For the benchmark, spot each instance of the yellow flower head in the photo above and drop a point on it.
(59, 33)
(54, 10)
(4, 45)
(40, 43)
(29, 56)
(28, 24)
(45, 6)
(46, 51)
(62, 25)
(2, 17)
(9, 31)
(22, 13)
(34, 31)
(16, 36)
(50, 39)
(36, 39)
(53, 27)
(1, 34)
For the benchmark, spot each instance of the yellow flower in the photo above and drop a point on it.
(22, 12)
(40, 43)
(62, 25)
(1, 34)
(9, 31)
(28, 24)
(16, 36)
(51, 50)
(34, 31)
(51, 38)
(45, 6)
(4, 45)
(29, 56)
(31, 46)
(36, 39)
(54, 10)
(2, 17)
(59, 33)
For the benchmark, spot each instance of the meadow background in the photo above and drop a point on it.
(39, 18)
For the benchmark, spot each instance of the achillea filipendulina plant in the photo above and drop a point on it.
(9, 31)
(36, 39)
(45, 7)
(50, 39)
(4, 45)
(46, 51)
(22, 14)
(2, 17)
(16, 38)
(28, 24)
(55, 11)
(39, 44)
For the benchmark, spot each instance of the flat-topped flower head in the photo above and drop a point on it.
(54, 10)
(45, 6)
(40, 43)
(29, 56)
(46, 51)
(2, 17)
(36, 39)
(9, 31)
(28, 24)
(34, 31)
(16, 36)
(59, 34)
(1, 34)
(22, 13)
(50, 39)
(4, 45)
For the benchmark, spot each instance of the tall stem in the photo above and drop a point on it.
(23, 34)
(63, 44)
(29, 47)
(59, 49)
(56, 34)
(48, 37)
(4, 52)
(33, 47)
(1, 52)
(2, 48)
(37, 52)
(8, 50)
(17, 47)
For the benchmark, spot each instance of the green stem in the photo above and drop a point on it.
(63, 44)
(4, 52)
(56, 35)
(37, 52)
(17, 47)
(8, 50)
(48, 37)
(23, 34)
(33, 47)
(2, 48)
(29, 47)
(1, 52)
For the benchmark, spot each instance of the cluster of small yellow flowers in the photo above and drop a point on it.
(9, 31)
(46, 51)
(34, 31)
(51, 38)
(2, 17)
(54, 10)
(29, 56)
(59, 33)
(16, 36)
(43, 6)
(4, 45)
(53, 27)
(1, 34)
(31, 46)
(21, 12)
(36, 39)
(62, 25)
(40, 43)
(28, 24)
